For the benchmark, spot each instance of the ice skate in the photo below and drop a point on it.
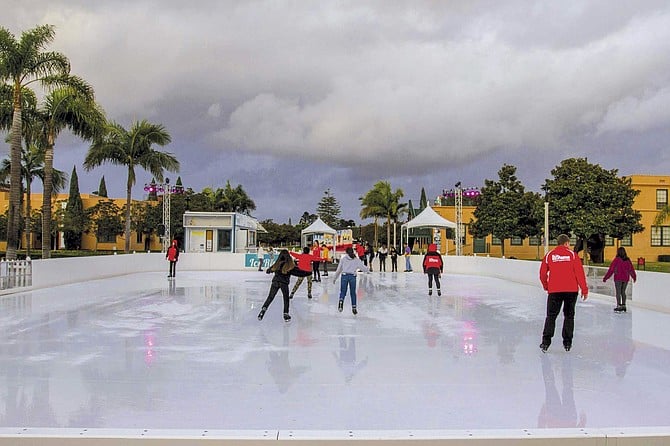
(439, 293)
(544, 347)
(619, 309)
(340, 306)
(262, 313)
(430, 292)
(290, 296)
(567, 347)
(287, 317)
(309, 296)
(354, 310)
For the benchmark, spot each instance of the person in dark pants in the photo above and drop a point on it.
(283, 269)
(394, 259)
(433, 266)
(623, 270)
(562, 276)
(172, 255)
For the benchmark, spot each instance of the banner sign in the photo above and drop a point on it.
(251, 260)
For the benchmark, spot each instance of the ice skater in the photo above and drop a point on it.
(348, 266)
(304, 264)
(283, 269)
(316, 253)
(623, 270)
(172, 256)
(433, 266)
(562, 276)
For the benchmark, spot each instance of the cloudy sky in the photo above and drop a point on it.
(290, 98)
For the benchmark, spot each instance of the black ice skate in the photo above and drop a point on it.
(439, 293)
(430, 292)
(287, 317)
(354, 310)
(340, 306)
(261, 314)
(544, 347)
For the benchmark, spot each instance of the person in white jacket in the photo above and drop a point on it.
(348, 267)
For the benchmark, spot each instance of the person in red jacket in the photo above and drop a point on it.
(172, 255)
(433, 266)
(304, 264)
(623, 270)
(562, 276)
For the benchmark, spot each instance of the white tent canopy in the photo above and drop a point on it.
(319, 227)
(428, 218)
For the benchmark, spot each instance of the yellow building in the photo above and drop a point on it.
(649, 244)
(137, 242)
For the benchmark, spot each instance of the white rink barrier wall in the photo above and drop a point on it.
(650, 290)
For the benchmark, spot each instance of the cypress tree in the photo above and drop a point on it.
(102, 189)
(73, 221)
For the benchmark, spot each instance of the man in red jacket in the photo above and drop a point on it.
(562, 276)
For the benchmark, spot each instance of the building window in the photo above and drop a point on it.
(105, 237)
(660, 236)
(138, 237)
(516, 241)
(609, 241)
(626, 240)
(225, 240)
(535, 240)
(661, 198)
(495, 240)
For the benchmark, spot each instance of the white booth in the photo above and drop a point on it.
(220, 232)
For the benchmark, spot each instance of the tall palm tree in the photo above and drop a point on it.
(382, 202)
(22, 63)
(32, 166)
(132, 148)
(71, 106)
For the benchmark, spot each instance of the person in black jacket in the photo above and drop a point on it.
(283, 269)
(433, 266)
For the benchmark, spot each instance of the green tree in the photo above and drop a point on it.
(102, 188)
(590, 202)
(132, 148)
(503, 208)
(32, 166)
(307, 219)
(145, 218)
(233, 199)
(105, 221)
(329, 209)
(423, 201)
(23, 62)
(73, 107)
(382, 202)
(73, 222)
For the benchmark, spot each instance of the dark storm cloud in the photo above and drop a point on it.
(318, 95)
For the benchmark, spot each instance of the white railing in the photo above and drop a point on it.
(15, 274)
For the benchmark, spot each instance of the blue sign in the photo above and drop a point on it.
(251, 261)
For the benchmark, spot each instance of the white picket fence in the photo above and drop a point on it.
(15, 274)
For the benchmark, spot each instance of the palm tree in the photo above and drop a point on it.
(32, 166)
(381, 201)
(132, 148)
(70, 106)
(235, 199)
(22, 63)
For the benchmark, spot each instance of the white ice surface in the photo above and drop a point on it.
(143, 352)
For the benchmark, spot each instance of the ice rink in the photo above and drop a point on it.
(140, 351)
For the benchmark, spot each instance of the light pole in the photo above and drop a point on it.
(167, 191)
(458, 192)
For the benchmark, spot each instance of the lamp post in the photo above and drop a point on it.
(167, 190)
(458, 193)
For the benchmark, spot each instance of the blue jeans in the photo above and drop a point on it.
(348, 280)
(408, 264)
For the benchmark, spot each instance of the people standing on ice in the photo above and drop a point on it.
(394, 259)
(283, 269)
(407, 251)
(172, 256)
(316, 253)
(382, 252)
(562, 275)
(305, 261)
(360, 251)
(325, 258)
(623, 270)
(433, 266)
(369, 255)
(348, 267)
(259, 255)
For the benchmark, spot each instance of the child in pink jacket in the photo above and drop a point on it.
(622, 269)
